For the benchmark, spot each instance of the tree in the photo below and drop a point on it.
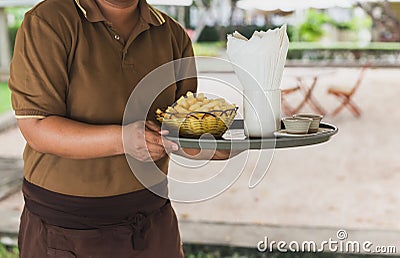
(233, 8)
(386, 24)
(205, 12)
(203, 6)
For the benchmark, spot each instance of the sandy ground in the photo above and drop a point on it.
(350, 182)
(11, 144)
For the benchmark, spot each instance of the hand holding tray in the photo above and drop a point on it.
(240, 142)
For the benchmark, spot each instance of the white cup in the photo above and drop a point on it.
(262, 112)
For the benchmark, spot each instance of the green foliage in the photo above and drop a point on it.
(209, 48)
(373, 46)
(246, 31)
(297, 49)
(311, 30)
(18, 13)
(355, 24)
(210, 34)
(8, 252)
(291, 31)
(318, 51)
(5, 99)
(343, 25)
(12, 32)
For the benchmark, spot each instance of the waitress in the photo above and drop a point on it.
(75, 64)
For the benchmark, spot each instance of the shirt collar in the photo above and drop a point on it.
(92, 12)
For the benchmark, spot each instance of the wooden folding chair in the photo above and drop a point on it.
(287, 109)
(345, 94)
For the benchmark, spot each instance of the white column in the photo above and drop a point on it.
(5, 54)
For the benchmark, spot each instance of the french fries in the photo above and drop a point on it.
(194, 115)
(199, 103)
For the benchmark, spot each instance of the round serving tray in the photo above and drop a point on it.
(257, 143)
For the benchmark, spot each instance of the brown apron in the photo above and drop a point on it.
(139, 224)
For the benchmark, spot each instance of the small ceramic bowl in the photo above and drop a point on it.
(316, 120)
(297, 125)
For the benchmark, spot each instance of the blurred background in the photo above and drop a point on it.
(343, 62)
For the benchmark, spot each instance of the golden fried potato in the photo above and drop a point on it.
(189, 94)
(182, 102)
(180, 109)
(192, 103)
(195, 107)
(200, 97)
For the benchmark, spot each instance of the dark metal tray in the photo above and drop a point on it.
(257, 143)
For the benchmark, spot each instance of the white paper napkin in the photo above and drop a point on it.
(260, 58)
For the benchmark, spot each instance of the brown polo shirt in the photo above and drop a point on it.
(70, 62)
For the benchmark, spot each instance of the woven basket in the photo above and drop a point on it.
(195, 124)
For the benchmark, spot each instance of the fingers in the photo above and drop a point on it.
(157, 139)
(170, 146)
(147, 142)
(153, 152)
(155, 148)
(153, 137)
(152, 126)
(150, 152)
(155, 127)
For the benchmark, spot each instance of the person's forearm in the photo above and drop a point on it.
(71, 139)
(197, 154)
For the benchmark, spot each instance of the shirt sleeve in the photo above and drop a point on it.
(38, 73)
(187, 70)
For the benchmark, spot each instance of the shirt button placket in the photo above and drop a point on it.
(117, 37)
